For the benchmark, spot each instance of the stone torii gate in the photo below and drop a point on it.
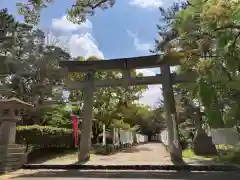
(126, 65)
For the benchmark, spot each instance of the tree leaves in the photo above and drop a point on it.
(208, 35)
(109, 101)
(77, 12)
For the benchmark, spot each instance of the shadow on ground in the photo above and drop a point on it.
(134, 175)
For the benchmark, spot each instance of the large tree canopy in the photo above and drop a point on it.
(206, 35)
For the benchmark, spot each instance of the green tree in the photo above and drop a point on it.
(30, 65)
(150, 122)
(77, 12)
(209, 32)
(57, 116)
(205, 35)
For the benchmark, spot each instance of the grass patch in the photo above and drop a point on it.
(227, 154)
(188, 153)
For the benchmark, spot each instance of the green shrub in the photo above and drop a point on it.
(45, 136)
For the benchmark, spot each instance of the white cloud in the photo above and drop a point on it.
(64, 24)
(79, 41)
(140, 46)
(146, 3)
(84, 45)
(152, 96)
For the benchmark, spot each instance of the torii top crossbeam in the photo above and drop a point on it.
(120, 64)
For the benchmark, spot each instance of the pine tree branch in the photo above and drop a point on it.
(92, 6)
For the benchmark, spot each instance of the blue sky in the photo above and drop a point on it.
(128, 29)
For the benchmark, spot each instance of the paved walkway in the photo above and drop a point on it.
(149, 154)
(145, 154)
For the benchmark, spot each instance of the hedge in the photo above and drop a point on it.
(45, 136)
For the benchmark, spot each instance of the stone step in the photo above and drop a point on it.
(12, 148)
(23, 160)
(16, 155)
(12, 145)
(11, 163)
(13, 157)
(10, 168)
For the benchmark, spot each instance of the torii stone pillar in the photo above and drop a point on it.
(12, 156)
(86, 130)
(170, 113)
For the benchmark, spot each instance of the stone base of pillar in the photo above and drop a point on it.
(12, 157)
(83, 159)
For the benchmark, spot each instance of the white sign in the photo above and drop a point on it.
(164, 137)
(104, 135)
(123, 138)
(117, 140)
(225, 136)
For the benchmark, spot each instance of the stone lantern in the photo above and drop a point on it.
(12, 156)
